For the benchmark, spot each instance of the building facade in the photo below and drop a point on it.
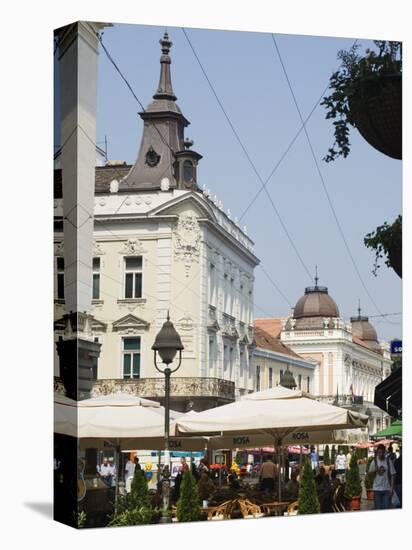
(350, 361)
(271, 359)
(164, 245)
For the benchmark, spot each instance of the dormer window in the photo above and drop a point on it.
(188, 171)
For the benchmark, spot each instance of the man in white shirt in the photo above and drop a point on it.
(384, 478)
(340, 463)
(105, 472)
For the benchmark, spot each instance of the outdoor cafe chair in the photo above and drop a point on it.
(222, 511)
(249, 509)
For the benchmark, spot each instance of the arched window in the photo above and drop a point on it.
(188, 171)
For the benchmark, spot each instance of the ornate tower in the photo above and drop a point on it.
(165, 160)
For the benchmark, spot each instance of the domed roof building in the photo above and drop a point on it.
(363, 330)
(314, 308)
(350, 360)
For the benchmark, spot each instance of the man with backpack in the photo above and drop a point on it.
(384, 473)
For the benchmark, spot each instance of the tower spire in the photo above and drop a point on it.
(359, 308)
(316, 276)
(165, 88)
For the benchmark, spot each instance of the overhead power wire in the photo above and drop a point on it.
(249, 159)
(329, 200)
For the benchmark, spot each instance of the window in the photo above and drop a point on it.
(270, 377)
(241, 361)
(300, 381)
(212, 285)
(308, 385)
(225, 357)
(280, 375)
(95, 364)
(96, 279)
(231, 361)
(60, 278)
(257, 377)
(232, 298)
(225, 292)
(133, 277)
(211, 352)
(131, 357)
(188, 171)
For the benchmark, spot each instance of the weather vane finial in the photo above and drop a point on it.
(316, 275)
(359, 308)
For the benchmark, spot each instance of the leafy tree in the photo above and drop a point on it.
(188, 508)
(353, 487)
(326, 456)
(308, 498)
(386, 240)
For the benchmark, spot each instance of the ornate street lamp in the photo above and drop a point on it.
(167, 344)
(287, 380)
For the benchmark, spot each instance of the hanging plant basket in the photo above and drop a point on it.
(376, 111)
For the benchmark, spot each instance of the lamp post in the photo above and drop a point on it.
(167, 343)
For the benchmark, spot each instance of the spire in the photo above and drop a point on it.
(316, 276)
(359, 309)
(165, 160)
(165, 88)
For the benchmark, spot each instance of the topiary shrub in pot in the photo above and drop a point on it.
(188, 507)
(308, 497)
(134, 508)
(353, 486)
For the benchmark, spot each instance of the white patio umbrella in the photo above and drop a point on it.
(277, 412)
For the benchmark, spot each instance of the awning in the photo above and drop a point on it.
(388, 394)
(394, 430)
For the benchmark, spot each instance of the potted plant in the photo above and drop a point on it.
(368, 481)
(353, 486)
(367, 95)
(188, 507)
(387, 240)
(308, 497)
(134, 508)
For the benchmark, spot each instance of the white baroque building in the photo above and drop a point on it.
(349, 359)
(161, 244)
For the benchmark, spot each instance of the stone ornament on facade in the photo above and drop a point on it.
(97, 249)
(152, 158)
(133, 247)
(59, 248)
(187, 237)
(129, 324)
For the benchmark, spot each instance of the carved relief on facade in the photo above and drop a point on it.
(187, 238)
(97, 249)
(59, 248)
(133, 247)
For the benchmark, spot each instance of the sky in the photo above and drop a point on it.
(244, 68)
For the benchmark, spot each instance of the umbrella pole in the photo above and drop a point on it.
(116, 493)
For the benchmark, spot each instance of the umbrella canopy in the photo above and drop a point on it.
(394, 430)
(107, 417)
(277, 412)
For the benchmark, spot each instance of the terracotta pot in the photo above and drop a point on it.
(354, 503)
(369, 494)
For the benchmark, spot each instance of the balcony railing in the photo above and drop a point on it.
(179, 387)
